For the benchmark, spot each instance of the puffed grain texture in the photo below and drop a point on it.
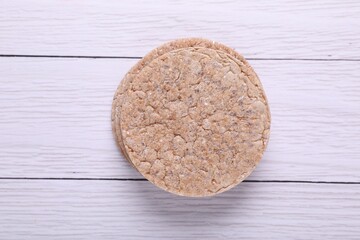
(192, 117)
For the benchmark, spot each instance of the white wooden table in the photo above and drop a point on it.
(62, 176)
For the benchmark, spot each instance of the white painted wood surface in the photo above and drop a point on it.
(138, 210)
(55, 120)
(261, 28)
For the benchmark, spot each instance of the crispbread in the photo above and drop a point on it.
(192, 117)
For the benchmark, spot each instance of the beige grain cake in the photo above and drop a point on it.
(192, 117)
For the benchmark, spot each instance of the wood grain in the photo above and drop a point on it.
(55, 119)
(262, 29)
(138, 210)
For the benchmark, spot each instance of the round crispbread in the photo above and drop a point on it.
(192, 117)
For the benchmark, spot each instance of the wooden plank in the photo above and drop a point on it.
(138, 210)
(265, 29)
(55, 119)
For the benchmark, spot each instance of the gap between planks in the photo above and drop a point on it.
(128, 57)
(142, 179)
